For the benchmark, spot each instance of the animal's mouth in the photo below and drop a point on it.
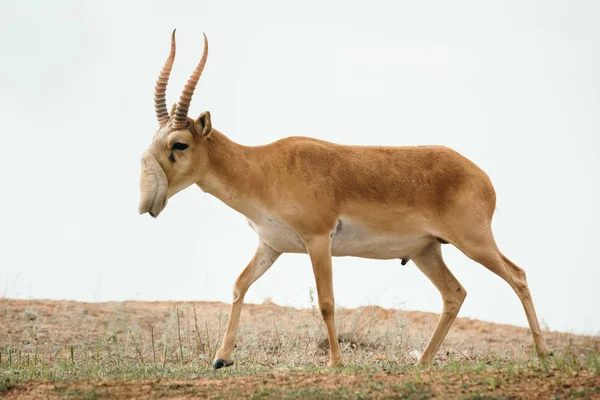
(153, 187)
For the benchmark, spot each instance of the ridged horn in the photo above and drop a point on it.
(160, 103)
(188, 91)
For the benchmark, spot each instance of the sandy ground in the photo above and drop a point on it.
(68, 322)
(273, 336)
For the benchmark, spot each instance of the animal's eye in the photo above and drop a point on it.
(179, 146)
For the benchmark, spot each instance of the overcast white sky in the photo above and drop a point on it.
(512, 85)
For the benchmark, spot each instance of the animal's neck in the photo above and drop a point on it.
(233, 175)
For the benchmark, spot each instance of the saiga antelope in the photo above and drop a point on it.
(303, 195)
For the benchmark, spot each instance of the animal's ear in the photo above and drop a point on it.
(203, 124)
(173, 107)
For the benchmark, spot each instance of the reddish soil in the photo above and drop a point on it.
(273, 336)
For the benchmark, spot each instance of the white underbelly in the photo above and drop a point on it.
(357, 241)
(347, 239)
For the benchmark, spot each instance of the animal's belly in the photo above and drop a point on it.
(347, 239)
(379, 246)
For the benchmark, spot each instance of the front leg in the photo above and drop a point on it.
(319, 249)
(263, 259)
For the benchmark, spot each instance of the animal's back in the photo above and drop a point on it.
(428, 178)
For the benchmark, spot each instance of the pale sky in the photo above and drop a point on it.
(512, 85)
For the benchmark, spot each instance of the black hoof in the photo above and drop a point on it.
(222, 363)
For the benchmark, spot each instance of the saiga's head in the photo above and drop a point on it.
(175, 158)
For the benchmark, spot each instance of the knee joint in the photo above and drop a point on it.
(238, 293)
(520, 272)
(521, 286)
(519, 278)
(453, 303)
(327, 308)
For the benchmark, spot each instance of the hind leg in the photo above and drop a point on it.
(430, 262)
(483, 249)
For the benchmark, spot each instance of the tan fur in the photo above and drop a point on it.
(311, 196)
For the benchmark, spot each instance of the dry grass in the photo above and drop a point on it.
(61, 349)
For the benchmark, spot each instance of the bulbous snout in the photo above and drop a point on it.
(153, 187)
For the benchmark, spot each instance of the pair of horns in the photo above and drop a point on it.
(181, 110)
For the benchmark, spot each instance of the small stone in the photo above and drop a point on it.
(415, 354)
